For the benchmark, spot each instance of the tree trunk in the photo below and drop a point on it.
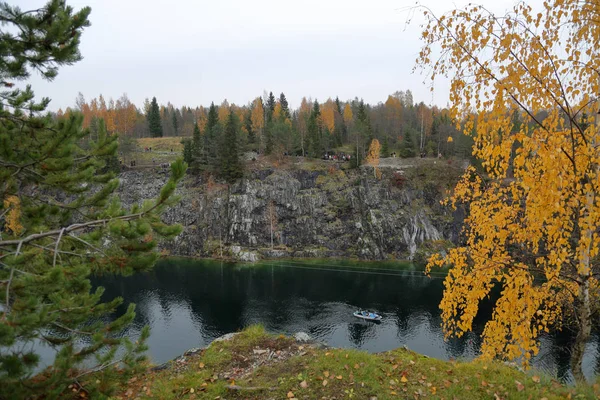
(585, 327)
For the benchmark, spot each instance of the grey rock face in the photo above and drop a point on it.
(327, 213)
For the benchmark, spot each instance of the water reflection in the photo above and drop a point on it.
(189, 303)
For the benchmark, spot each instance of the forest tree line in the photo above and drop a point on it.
(268, 125)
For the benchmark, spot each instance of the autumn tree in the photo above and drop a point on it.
(535, 236)
(271, 218)
(125, 115)
(154, 121)
(372, 157)
(328, 116)
(60, 222)
(258, 121)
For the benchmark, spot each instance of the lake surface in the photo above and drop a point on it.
(189, 303)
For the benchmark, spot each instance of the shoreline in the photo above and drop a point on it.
(257, 365)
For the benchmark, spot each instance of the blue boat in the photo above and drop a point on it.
(367, 315)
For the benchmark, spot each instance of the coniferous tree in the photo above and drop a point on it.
(231, 168)
(285, 110)
(270, 106)
(211, 136)
(154, 122)
(188, 151)
(196, 146)
(269, 139)
(314, 131)
(249, 128)
(408, 144)
(385, 148)
(57, 210)
(338, 105)
(175, 124)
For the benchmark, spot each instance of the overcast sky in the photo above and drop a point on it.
(192, 52)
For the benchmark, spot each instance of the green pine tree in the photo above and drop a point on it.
(231, 168)
(270, 107)
(71, 226)
(314, 132)
(408, 145)
(285, 108)
(269, 139)
(187, 151)
(249, 128)
(175, 124)
(154, 122)
(196, 147)
(211, 137)
(385, 148)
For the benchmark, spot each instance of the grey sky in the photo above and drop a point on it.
(194, 52)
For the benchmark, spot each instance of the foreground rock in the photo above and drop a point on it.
(255, 365)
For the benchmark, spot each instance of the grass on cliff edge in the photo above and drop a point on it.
(338, 373)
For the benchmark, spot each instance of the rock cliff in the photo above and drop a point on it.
(311, 210)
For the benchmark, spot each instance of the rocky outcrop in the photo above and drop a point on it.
(327, 212)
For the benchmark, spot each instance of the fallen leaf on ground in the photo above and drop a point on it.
(520, 386)
(303, 384)
(201, 365)
(535, 378)
(290, 395)
(403, 379)
(338, 377)
(326, 374)
(324, 382)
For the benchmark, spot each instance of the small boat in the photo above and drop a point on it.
(366, 315)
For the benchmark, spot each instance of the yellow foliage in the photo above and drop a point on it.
(348, 113)
(13, 216)
(328, 115)
(258, 119)
(372, 158)
(223, 112)
(277, 111)
(533, 222)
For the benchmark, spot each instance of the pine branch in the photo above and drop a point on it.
(79, 226)
(98, 368)
(10, 278)
(56, 247)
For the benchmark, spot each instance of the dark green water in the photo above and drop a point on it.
(189, 303)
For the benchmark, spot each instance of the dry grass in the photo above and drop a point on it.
(233, 370)
(162, 144)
